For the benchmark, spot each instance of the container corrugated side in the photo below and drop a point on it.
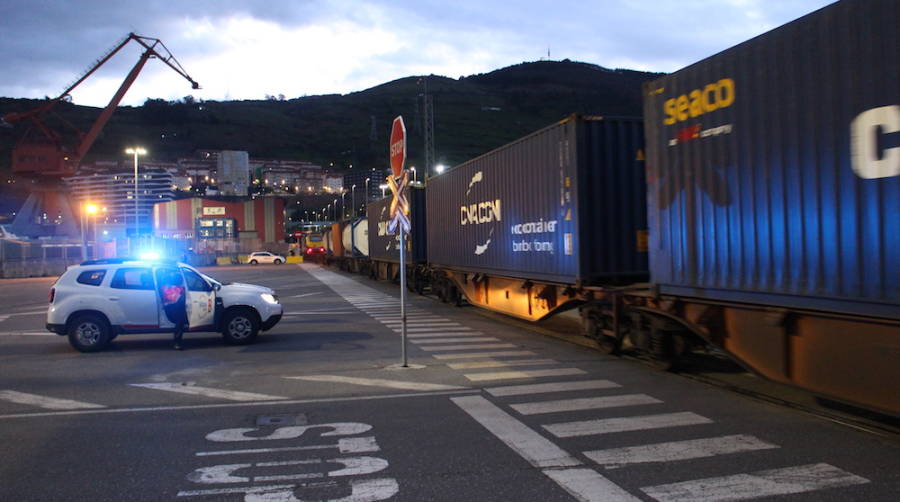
(775, 167)
(384, 246)
(564, 204)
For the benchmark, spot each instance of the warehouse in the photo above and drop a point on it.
(222, 223)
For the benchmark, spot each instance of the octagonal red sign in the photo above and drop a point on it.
(398, 146)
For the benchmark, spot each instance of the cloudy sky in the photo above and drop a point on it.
(246, 49)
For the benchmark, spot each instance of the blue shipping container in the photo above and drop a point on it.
(774, 167)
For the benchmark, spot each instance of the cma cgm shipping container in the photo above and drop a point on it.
(384, 246)
(774, 167)
(566, 204)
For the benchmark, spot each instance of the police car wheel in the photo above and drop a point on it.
(240, 326)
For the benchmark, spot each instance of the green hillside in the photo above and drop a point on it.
(472, 115)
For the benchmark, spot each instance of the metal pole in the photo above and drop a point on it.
(83, 243)
(403, 292)
(136, 232)
(353, 201)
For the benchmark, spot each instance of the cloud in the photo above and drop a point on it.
(245, 49)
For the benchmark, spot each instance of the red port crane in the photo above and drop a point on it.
(45, 155)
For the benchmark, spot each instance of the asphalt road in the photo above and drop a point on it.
(317, 409)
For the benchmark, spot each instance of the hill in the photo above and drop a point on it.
(472, 115)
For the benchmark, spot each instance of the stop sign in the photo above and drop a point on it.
(398, 146)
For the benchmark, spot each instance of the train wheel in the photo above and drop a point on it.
(667, 345)
(594, 325)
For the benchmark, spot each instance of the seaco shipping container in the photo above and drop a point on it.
(384, 246)
(566, 204)
(774, 167)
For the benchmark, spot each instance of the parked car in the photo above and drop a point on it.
(96, 301)
(265, 257)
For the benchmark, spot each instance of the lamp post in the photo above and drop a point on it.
(343, 205)
(334, 210)
(353, 211)
(383, 187)
(413, 169)
(87, 209)
(440, 168)
(366, 205)
(136, 151)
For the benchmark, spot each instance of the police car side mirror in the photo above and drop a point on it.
(216, 287)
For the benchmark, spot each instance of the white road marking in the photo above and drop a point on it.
(502, 353)
(676, 450)
(588, 403)
(540, 388)
(536, 449)
(447, 329)
(240, 434)
(250, 490)
(587, 485)
(804, 478)
(48, 403)
(423, 318)
(431, 326)
(27, 333)
(473, 346)
(511, 375)
(439, 335)
(361, 490)
(231, 395)
(415, 323)
(332, 312)
(3, 317)
(499, 364)
(625, 424)
(365, 444)
(457, 340)
(156, 409)
(393, 317)
(304, 294)
(376, 382)
(35, 312)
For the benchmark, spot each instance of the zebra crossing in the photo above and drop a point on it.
(591, 479)
(588, 480)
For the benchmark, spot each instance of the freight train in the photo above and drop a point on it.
(754, 208)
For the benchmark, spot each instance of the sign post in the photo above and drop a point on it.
(400, 213)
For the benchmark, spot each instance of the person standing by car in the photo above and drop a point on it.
(172, 292)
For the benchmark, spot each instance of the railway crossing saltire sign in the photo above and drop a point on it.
(400, 203)
(400, 179)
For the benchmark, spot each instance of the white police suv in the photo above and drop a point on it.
(98, 300)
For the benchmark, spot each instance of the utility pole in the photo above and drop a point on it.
(427, 105)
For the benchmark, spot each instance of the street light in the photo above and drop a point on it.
(440, 168)
(383, 187)
(353, 200)
(136, 151)
(86, 209)
(334, 212)
(413, 169)
(367, 197)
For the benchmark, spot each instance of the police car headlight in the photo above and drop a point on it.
(269, 298)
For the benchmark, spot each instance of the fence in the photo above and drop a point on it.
(39, 259)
